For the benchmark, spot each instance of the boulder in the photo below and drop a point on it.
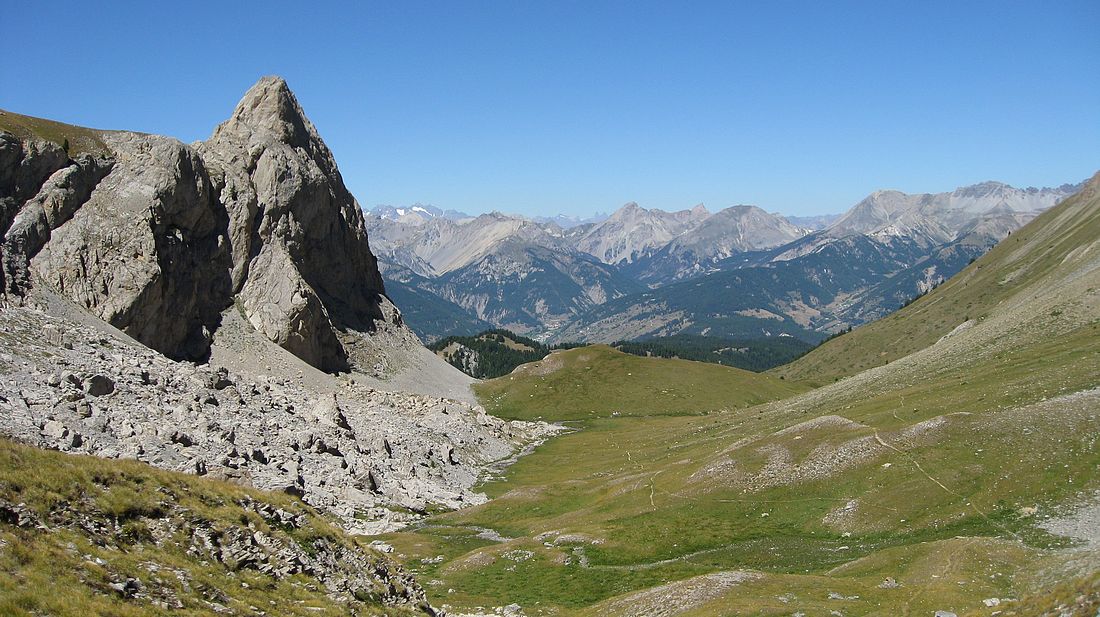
(99, 385)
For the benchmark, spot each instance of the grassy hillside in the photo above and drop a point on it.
(80, 139)
(809, 506)
(962, 473)
(945, 480)
(1024, 260)
(750, 354)
(127, 540)
(600, 382)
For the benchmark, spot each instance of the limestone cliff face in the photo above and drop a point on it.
(302, 268)
(158, 238)
(146, 252)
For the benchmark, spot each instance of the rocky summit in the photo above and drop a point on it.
(157, 237)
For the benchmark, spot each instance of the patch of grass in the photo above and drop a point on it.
(133, 529)
(78, 139)
(599, 382)
(1079, 597)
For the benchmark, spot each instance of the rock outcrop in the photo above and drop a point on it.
(146, 549)
(157, 237)
(302, 269)
(147, 251)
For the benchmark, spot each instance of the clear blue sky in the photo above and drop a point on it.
(574, 107)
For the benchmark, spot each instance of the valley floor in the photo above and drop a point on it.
(889, 493)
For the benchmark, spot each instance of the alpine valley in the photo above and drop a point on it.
(215, 397)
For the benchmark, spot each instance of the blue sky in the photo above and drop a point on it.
(576, 107)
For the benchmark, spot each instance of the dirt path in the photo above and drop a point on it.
(949, 563)
(921, 469)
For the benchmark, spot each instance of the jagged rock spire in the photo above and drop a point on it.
(257, 215)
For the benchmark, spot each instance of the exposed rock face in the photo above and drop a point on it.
(147, 252)
(55, 203)
(158, 238)
(734, 230)
(633, 232)
(942, 217)
(40, 188)
(302, 268)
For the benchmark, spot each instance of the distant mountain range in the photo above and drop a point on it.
(740, 272)
(417, 212)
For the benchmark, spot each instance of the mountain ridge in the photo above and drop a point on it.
(908, 243)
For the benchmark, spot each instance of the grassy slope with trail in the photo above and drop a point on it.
(937, 471)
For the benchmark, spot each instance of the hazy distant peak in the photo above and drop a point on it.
(415, 214)
(942, 216)
(741, 209)
(629, 208)
(982, 188)
(565, 221)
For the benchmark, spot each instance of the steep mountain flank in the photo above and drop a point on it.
(1027, 270)
(851, 269)
(436, 246)
(726, 233)
(531, 289)
(503, 270)
(428, 315)
(632, 232)
(158, 238)
(888, 249)
(942, 216)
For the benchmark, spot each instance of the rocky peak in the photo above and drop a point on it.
(269, 112)
(628, 209)
(742, 210)
(983, 189)
(160, 238)
(302, 269)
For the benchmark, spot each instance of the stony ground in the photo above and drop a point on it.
(372, 457)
